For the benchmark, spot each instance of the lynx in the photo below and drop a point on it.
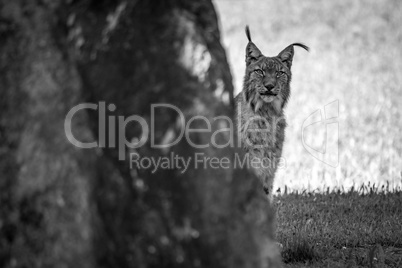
(260, 106)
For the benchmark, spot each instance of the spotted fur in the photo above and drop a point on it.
(266, 90)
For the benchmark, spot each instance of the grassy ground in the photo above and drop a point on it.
(340, 230)
(355, 59)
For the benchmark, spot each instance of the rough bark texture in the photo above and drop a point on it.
(67, 207)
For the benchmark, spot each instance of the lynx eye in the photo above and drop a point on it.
(259, 72)
(280, 73)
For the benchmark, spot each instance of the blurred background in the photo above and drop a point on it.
(355, 59)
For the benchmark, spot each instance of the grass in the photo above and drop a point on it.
(337, 230)
(355, 59)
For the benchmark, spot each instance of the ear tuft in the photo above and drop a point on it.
(301, 45)
(248, 33)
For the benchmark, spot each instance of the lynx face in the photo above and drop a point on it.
(267, 82)
(267, 79)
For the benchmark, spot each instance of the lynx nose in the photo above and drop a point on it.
(269, 86)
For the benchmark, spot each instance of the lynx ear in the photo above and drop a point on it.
(252, 51)
(286, 55)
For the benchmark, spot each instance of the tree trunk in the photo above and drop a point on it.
(62, 206)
